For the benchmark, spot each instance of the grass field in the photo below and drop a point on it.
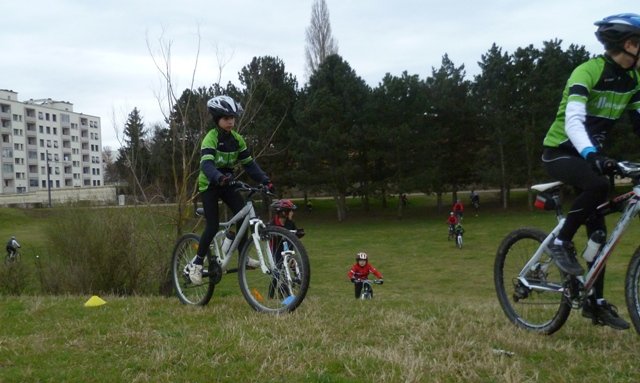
(436, 318)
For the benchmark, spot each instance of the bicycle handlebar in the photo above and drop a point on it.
(376, 281)
(243, 186)
(629, 169)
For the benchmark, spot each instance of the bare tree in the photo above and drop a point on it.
(108, 165)
(320, 43)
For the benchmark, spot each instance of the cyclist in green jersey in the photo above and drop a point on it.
(222, 148)
(596, 95)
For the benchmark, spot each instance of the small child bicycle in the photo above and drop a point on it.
(367, 287)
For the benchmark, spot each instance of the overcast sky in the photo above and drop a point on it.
(96, 54)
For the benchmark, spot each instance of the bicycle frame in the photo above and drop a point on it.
(630, 210)
(248, 217)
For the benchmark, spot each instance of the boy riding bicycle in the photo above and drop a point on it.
(360, 271)
(222, 149)
(452, 221)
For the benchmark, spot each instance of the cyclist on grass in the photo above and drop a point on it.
(458, 230)
(361, 270)
(12, 247)
(222, 148)
(458, 209)
(595, 97)
(452, 221)
(475, 200)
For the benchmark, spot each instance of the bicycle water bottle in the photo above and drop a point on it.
(593, 245)
(228, 239)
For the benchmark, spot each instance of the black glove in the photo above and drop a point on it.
(300, 233)
(380, 281)
(224, 180)
(269, 186)
(353, 280)
(602, 164)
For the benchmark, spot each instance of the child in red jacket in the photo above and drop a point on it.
(360, 270)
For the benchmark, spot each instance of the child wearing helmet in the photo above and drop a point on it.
(361, 270)
(452, 221)
(221, 150)
(283, 216)
(595, 96)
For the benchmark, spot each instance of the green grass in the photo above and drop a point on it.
(436, 318)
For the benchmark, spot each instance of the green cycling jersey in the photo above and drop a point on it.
(594, 98)
(220, 152)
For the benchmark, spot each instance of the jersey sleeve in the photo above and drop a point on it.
(579, 86)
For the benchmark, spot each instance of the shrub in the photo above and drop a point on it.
(107, 251)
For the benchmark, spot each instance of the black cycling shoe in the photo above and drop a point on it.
(564, 257)
(603, 314)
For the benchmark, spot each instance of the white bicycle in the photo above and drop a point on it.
(533, 292)
(273, 266)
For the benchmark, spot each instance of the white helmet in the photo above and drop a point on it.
(221, 106)
(362, 256)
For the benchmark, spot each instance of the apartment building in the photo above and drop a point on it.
(35, 133)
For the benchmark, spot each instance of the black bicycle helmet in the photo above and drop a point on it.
(614, 30)
(362, 256)
(223, 106)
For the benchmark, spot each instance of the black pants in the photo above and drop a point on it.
(593, 189)
(358, 289)
(210, 199)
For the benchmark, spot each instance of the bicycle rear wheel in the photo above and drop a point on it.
(541, 307)
(188, 293)
(284, 286)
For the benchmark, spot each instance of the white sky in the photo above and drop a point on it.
(95, 54)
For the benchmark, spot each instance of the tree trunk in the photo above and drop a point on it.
(341, 206)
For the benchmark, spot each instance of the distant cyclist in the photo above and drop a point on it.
(475, 200)
(360, 271)
(452, 221)
(12, 247)
(458, 209)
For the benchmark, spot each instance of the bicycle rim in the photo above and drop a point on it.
(188, 293)
(459, 242)
(632, 289)
(532, 309)
(285, 285)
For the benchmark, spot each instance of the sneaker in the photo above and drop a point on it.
(253, 263)
(603, 314)
(194, 272)
(565, 258)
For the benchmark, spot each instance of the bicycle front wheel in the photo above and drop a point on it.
(283, 286)
(632, 289)
(188, 293)
(536, 305)
(459, 241)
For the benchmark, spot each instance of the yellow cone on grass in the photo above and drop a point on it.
(94, 301)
